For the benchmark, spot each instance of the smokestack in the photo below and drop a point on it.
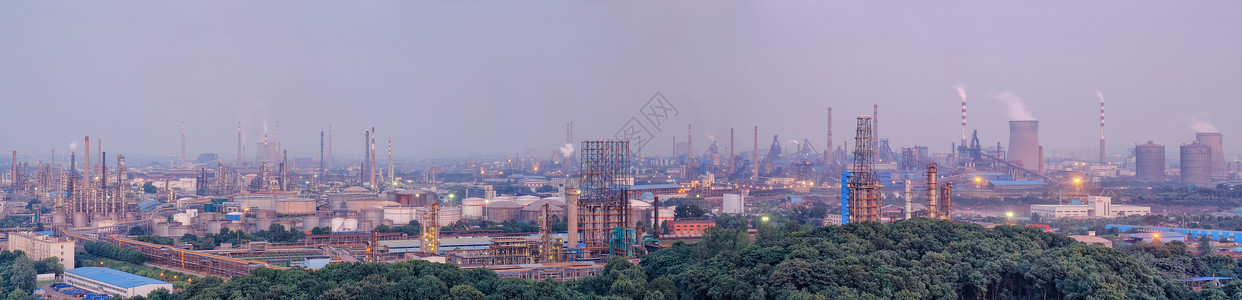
(1214, 140)
(932, 192)
(909, 198)
(961, 93)
(756, 153)
(331, 159)
(390, 175)
(1103, 158)
(86, 164)
(732, 167)
(875, 129)
(321, 157)
(13, 183)
(120, 186)
(366, 155)
(571, 195)
(690, 143)
(183, 161)
(372, 164)
(1024, 144)
(239, 146)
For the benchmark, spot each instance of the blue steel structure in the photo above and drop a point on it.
(845, 197)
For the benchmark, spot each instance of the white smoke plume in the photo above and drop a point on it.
(1202, 123)
(795, 142)
(1017, 108)
(73, 146)
(711, 137)
(1100, 95)
(567, 150)
(961, 91)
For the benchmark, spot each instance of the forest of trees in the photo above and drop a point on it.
(915, 259)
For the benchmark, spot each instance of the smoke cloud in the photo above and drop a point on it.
(1100, 95)
(1017, 108)
(795, 142)
(961, 91)
(1202, 123)
(567, 150)
(711, 137)
(73, 146)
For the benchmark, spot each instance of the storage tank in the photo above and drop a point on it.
(526, 200)
(161, 228)
(640, 211)
(214, 226)
(105, 223)
(1024, 144)
(263, 223)
(235, 226)
(295, 206)
(533, 211)
(359, 204)
(264, 214)
(178, 230)
(350, 225)
(400, 215)
(59, 220)
(79, 219)
(556, 201)
(373, 214)
(500, 211)
(472, 208)
(1196, 160)
(310, 222)
(338, 223)
(1149, 161)
(365, 225)
(1214, 140)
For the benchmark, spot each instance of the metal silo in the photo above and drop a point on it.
(1196, 159)
(1214, 140)
(1149, 161)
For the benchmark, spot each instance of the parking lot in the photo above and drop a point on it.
(50, 292)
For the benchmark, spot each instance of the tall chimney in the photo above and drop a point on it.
(756, 154)
(391, 178)
(963, 122)
(732, 167)
(13, 182)
(1024, 144)
(120, 185)
(366, 156)
(571, 195)
(932, 192)
(331, 159)
(86, 164)
(372, 164)
(909, 198)
(183, 160)
(321, 157)
(1103, 158)
(689, 143)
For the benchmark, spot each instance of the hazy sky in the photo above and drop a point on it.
(453, 78)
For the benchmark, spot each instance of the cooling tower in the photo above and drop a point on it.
(1196, 161)
(1024, 144)
(1218, 151)
(1149, 160)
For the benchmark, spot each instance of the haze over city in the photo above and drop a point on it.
(450, 79)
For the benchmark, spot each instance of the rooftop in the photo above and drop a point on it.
(113, 277)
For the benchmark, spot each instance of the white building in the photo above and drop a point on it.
(113, 282)
(1096, 207)
(734, 203)
(39, 247)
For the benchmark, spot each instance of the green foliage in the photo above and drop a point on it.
(49, 265)
(149, 188)
(22, 274)
(114, 252)
(321, 230)
(153, 239)
(276, 233)
(688, 211)
(138, 230)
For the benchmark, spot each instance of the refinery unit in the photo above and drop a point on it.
(606, 195)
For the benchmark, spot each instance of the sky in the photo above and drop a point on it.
(445, 79)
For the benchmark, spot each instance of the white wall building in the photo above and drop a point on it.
(734, 203)
(113, 282)
(1096, 207)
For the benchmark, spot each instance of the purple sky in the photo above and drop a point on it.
(453, 78)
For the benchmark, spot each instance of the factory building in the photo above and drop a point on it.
(689, 227)
(38, 247)
(1096, 207)
(113, 282)
(1149, 161)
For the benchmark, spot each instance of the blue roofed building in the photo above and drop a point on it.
(113, 282)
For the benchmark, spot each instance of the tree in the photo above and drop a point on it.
(688, 211)
(1204, 246)
(149, 188)
(321, 230)
(49, 265)
(138, 230)
(23, 274)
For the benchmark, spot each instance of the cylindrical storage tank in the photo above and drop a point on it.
(263, 224)
(373, 214)
(235, 216)
(310, 222)
(79, 219)
(400, 215)
(178, 230)
(533, 211)
(1024, 144)
(59, 220)
(500, 211)
(1214, 140)
(525, 200)
(214, 226)
(350, 225)
(365, 225)
(1149, 161)
(501, 198)
(472, 208)
(265, 214)
(295, 206)
(235, 226)
(556, 201)
(1196, 159)
(338, 224)
(161, 228)
(639, 211)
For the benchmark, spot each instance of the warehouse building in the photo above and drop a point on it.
(1096, 207)
(113, 282)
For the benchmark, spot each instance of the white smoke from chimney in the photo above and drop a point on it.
(1202, 123)
(1100, 95)
(961, 91)
(710, 137)
(73, 146)
(1017, 108)
(567, 150)
(795, 142)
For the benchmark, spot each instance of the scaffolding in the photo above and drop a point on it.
(604, 204)
(430, 241)
(864, 186)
